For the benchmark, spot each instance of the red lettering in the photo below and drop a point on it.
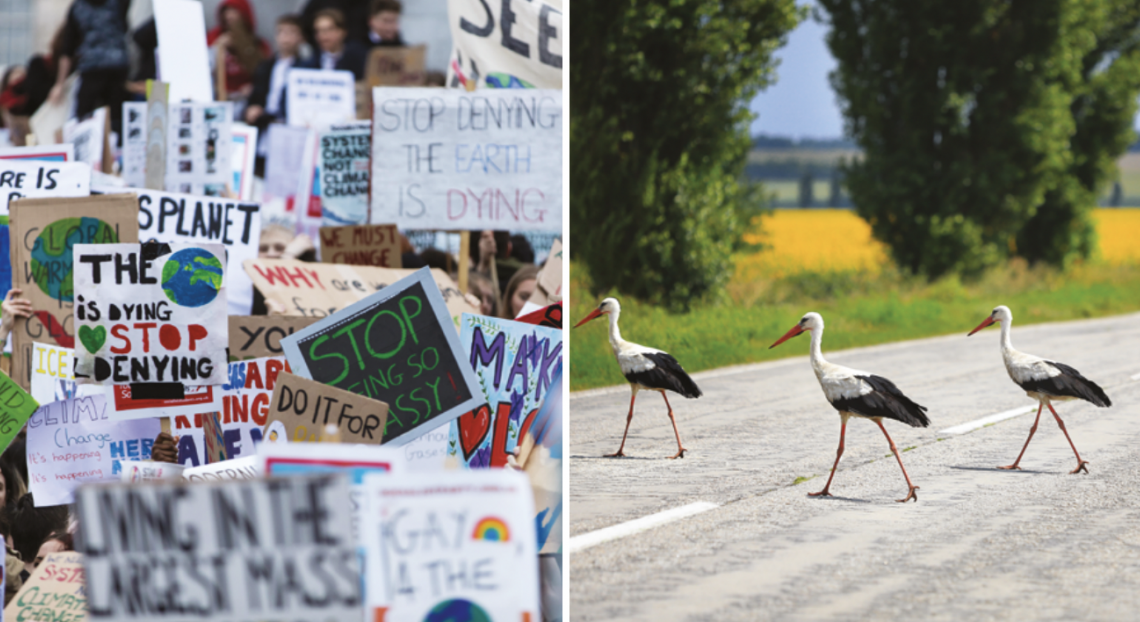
(119, 331)
(145, 328)
(197, 333)
(169, 337)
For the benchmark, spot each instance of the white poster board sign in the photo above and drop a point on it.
(272, 551)
(183, 61)
(482, 539)
(175, 217)
(134, 144)
(36, 179)
(316, 97)
(52, 378)
(88, 138)
(137, 471)
(150, 313)
(235, 469)
(198, 145)
(506, 45)
(450, 159)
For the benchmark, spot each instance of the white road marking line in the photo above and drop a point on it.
(970, 426)
(637, 525)
(1134, 377)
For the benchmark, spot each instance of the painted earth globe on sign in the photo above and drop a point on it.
(192, 277)
(457, 610)
(51, 252)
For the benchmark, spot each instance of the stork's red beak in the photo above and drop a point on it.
(788, 335)
(593, 314)
(985, 323)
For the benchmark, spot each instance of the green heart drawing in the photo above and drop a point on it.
(93, 338)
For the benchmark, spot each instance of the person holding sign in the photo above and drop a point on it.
(336, 51)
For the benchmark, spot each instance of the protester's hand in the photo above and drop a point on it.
(165, 449)
(273, 307)
(487, 250)
(253, 113)
(12, 308)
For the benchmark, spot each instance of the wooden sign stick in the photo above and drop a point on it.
(464, 259)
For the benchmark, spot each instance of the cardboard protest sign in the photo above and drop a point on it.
(277, 550)
(135, 471)
(173, 217)
(256, 336)
(515, 364)
(397, 346)
(396, 66)
(127, 403)
(318, 290)
(16, 406)
(243, 413)
(150, 313)
(52, 378)
(55, 591)
(34, 179)
(508, 45)
(198, 145)
(479, 562)
(344, 159)
(182, 56)
(456, 160)
(46, 231)
(235, 469)
(362, 245)
(243, 155)
(134, 143)
(315, 98)
(75, 441)
(305, 407)
(64, 152)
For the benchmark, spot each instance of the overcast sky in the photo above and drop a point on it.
(801, 104)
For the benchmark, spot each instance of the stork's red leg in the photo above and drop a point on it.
(1031, 432)
(628, 419)
(680, 450)
(1081, 464)
(838, 454)
(895, 450)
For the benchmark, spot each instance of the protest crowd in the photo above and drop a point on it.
(282, 319)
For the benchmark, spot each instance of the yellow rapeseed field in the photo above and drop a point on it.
(829, 240)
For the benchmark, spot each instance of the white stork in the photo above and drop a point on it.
(1044, 381)
(644, 368)
(858, 394)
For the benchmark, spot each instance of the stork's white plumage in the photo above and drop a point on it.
(1043, 380)
(644, 368)
(857, 393)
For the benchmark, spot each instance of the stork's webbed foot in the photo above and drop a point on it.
(680, 454)
(1083, 466)
(1010, 467)
(822, 493)
(618, 454)
(910, 495)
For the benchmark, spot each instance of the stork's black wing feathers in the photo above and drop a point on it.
(666, 374)
(887, 401)
(1070, 383)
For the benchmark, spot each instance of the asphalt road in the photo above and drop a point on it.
(980, 544)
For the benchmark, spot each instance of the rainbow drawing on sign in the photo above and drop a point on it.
(491, 529)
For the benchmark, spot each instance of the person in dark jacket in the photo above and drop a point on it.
(95, 45)
(336, 51)
(267, 101)
(384, 24)
(355, 13)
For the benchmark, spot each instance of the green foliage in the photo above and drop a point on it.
(987, 126)
(658, 130)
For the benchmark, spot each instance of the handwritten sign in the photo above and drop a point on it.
(16, 406)
(512, 45)
(52, 379)
(235, 469)
(37, 179)
(257, 336)
(344, 159)
(456, 545)
(396, 66)
(277, 550)
(315, 97)
(172, 217)
(319, 290)
(55, 591)
(362, 245)
(396, 346)
(243, 413)
(515, 363)
(75, 441)
(456, 160)
(46, 232)
(304, 408)
(151, 313)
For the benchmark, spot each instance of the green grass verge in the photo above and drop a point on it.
(859, 309)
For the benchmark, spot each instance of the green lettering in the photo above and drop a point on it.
(435, 390)
(368, 336)
(408, 317)
(331, 355)
(348, 330)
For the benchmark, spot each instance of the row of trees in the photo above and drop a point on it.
(987, 126)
